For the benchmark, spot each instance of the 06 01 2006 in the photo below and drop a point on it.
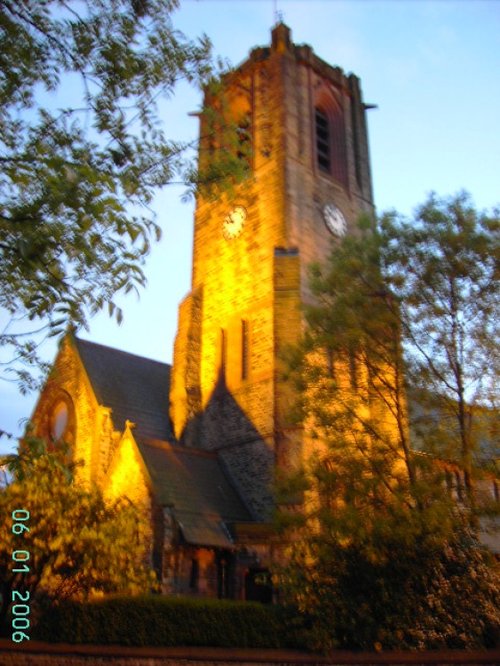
(20, 608)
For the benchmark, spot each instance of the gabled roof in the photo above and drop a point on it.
(136, 388)
(192, 482)
(198, 490)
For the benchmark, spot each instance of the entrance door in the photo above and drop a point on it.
(258, 586)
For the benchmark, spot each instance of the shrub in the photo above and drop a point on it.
(167, 621)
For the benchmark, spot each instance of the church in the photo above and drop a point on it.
(196, 445)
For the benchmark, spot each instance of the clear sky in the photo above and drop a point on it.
(433, 69)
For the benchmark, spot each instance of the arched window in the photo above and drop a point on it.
(226, 133)
(323, 140)
(244, 139)
(59, 419)
(330, 141)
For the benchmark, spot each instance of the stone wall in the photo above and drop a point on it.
(90, 432)
(40, 654)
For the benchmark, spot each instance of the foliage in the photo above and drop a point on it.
(394, 594)
(79, 545)
(156, 620)
(443, 269)
(349, 372)
(82, 153)
(380, 554)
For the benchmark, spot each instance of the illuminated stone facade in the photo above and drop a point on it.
(197, 446)
(306, 120)
(89, 430)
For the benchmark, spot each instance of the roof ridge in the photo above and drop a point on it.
(119, 351)
(165, 445)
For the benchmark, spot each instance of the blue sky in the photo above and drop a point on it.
(433, 69)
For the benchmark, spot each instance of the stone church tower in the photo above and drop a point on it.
(309, 182)
(195, 446)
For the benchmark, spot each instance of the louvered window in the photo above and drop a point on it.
(323, 140)
(244, 134)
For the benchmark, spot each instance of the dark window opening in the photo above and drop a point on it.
(244, 349)
(259, 586)
(195, 575)
(323, 140)
(331, 153)
(356, 142)
(223, 350)
(244, 138)
(225, 575)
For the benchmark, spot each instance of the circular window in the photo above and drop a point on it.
(59, 420)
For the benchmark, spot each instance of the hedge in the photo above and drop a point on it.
(167, 621)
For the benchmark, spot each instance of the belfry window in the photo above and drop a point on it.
(330, 142)
(323, 140)
(244, 136)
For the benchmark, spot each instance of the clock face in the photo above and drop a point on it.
(234, 222)
(334, 220)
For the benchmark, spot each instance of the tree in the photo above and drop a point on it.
(380, 555)
(78, 544)
(82, 153)
(401, 594)
(443, 269)
(350, 373)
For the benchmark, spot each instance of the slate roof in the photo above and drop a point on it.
(136, 388)
(192, 482)
(198, 490)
